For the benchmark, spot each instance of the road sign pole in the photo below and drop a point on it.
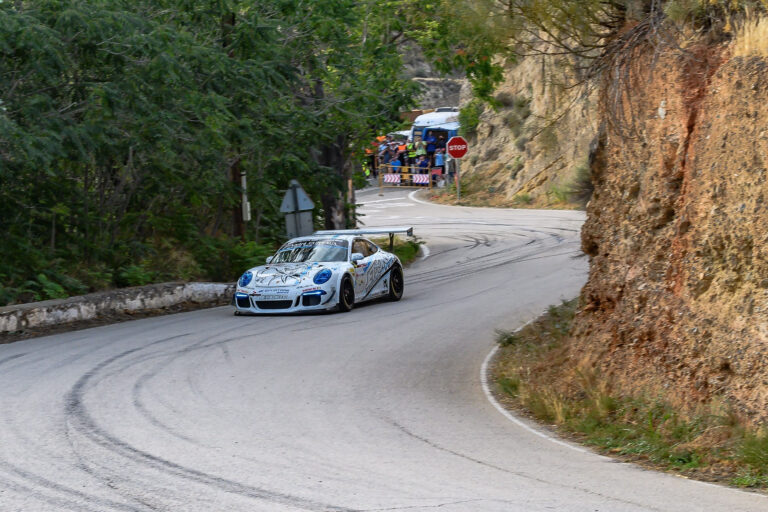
(458, 179)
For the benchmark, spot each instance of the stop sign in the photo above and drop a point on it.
(457, 147)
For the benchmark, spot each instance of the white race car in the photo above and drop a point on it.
(328, 270)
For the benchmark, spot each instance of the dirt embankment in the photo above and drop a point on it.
(677, 233)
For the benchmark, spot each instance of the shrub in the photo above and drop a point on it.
(505, 99)
(754, 452)
(522, 198)
(515, 124)
(515, 167)
(516, 117)
(469, 117)
(558, 193)
(523, 107)
(683, 11)
(134, 275)
(580, 190)
(548, 138)
(224, 259)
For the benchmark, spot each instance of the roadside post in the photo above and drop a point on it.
(245, 203)
(298, 209)
(457, 147)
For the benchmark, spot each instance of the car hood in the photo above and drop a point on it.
(288, 274)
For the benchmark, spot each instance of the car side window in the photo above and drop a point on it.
(359, 246)
(372, 249)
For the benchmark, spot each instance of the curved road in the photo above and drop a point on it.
(378, 409)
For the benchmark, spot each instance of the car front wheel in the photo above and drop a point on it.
(346, 294)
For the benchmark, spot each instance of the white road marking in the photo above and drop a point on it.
(509, 415)
(424, 252)
(381, 200)
(390, 205)
(412, 197)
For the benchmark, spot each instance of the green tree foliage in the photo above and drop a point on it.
(467, 35)
(124, 127)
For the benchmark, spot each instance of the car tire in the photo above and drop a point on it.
(346, 294)
(396, 283)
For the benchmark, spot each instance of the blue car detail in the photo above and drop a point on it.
(323, 276)
(245, 279)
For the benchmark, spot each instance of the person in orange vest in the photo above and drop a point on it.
(401, 147)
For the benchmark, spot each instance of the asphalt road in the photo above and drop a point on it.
(378, 409)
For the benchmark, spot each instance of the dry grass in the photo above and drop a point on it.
(538, 374)
(752, 38)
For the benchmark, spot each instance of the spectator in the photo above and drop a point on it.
(385, 156)
(431, 142)
(421, 147)
(439, 160)
(395, 166)
(384, 144)
(423, 164)
(401, 152)
(410, 149)
(441, 142)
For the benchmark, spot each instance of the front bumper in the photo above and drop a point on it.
(261, 301)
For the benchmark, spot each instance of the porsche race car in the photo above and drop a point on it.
(330, 270)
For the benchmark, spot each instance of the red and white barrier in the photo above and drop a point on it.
(420, 179)
(392, 178)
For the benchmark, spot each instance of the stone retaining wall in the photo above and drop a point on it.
(94, 305)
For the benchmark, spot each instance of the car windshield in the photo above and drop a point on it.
(312, 250)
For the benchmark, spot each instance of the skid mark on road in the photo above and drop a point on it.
(518, 474)
(81, 421)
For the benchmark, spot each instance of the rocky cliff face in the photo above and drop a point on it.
(529, 151)
(677, 234)
(436, 90)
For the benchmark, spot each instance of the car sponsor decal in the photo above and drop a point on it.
(387, 264)
(369, 274)
(281, 292)
(289, 274)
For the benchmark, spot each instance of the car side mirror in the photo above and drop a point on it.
(356, 256)
(269, 259)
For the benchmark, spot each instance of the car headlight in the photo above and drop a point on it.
(245, 279)
(323, 276)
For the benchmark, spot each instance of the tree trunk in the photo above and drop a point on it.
(334, 198)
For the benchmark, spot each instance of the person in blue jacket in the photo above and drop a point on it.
(439, 160)
(431, 145)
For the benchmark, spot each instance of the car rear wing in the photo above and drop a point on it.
(391, 231)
